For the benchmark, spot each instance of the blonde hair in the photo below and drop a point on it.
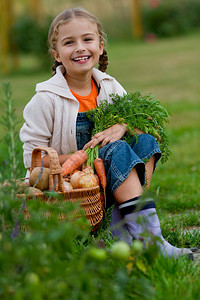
(65, 17)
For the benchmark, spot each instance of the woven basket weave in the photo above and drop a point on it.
(89, 198)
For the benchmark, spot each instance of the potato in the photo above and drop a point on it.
(32, 191)
(6, 184)
(43, 183)
(21, 186)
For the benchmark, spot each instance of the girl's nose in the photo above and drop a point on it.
(80, 46)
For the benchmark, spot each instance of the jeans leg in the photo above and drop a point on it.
(119, 159)
(145, 147)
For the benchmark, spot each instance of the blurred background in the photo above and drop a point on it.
(153, 45)
(24, 23)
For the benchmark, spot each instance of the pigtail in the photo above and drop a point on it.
(103, 61)
(54, 66)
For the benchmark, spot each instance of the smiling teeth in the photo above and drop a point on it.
(81, 58)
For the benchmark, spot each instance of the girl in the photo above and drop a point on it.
(55, 117)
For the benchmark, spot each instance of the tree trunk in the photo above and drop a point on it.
(12, 45)
(8, 47)
(137, 28)
(35, 8)
(4, 36)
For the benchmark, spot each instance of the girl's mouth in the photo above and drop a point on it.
(81, 59)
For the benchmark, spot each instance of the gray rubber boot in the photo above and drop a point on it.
(149, 222)
(118, 228)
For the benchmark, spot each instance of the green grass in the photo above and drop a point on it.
(170, 70)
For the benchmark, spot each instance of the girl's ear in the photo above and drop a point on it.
(56, 55)
(101, 47)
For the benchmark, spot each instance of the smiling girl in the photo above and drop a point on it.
(56, 117)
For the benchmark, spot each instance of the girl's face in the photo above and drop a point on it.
(78, 46)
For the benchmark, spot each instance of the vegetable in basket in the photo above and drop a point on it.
(81, 179)
(73, 162)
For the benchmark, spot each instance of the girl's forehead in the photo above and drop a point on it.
(78, 24)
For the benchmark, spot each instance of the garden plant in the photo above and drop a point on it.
(44, 258)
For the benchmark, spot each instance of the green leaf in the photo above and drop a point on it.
(137, 111)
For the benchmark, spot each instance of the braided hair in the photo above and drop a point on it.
(65, 17)
(54, 66)
(103, 61)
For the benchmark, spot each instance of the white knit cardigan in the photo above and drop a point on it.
(50, 116)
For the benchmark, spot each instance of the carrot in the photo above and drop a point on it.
(100, 169)
(73, 162)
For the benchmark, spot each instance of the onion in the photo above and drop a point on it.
(75, 179)
(88, 170)
(67, 186)
(81, 179)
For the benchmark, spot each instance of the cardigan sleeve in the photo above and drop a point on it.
(118, 89)
(37, 129)
(109, 87)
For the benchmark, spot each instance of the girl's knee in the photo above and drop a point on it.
(117, 151)
(146, 138)
(122, 147)
(113, 147)
(145, 146)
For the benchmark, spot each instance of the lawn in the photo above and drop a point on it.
(170, 70)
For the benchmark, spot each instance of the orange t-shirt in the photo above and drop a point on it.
(87, 102)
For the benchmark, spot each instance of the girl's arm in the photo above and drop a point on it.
(107, 136)
(38, 127)
(62, 159)
(112, 134)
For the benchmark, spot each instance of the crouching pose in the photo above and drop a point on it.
(126, 174)
(56, 117)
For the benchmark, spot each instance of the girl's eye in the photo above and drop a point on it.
(68, 43)
(88, 39)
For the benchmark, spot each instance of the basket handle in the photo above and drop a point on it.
(55, 168)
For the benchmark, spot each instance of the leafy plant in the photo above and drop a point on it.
(42, 257)
(10, 139)
(136, 111)
(47, 249)
(51, 258)
(30, 36)
(169, 18)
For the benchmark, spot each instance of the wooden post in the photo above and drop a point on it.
(35, 8)
(137, 28)
(12, 45)
(7, 46)
(4, 37)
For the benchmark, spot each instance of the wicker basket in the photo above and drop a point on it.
(89, 198)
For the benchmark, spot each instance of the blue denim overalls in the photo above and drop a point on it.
(119, 157)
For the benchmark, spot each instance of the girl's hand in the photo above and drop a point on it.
(107, 136)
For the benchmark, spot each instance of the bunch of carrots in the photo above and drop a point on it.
(85, 160)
